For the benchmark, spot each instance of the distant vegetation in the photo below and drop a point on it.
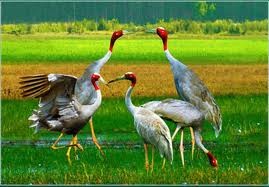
(228, 27)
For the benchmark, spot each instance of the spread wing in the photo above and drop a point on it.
(43, 85)
(55, 92)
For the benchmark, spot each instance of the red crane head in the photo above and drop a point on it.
(213, 161)
(94, 78)
(131, 77)
(127, 76)
(116, 35)
(163, 34)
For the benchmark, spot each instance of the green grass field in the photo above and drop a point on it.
(41, 165)
(239, 113)
(18, 50)
(241, 148)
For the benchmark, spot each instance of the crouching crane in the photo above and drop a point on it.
(82, 88)
(149, 126)
(66, 115)
(183, 114)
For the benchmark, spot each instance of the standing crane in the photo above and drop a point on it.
(84, 90)
(59, 110)
(183, 114)
(190, 87)
(149, 126)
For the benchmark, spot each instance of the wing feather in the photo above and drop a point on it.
(154, 131)
(55, 92)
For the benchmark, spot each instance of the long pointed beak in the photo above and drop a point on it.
(126, 32)
(102, 80)
(151, 31)
(117, 79)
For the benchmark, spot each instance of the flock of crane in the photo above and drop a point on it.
(67, 103)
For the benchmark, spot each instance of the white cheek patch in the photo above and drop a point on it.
(97, 74)
(52, 77)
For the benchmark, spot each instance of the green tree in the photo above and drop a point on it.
(102, 25)
(204, 10)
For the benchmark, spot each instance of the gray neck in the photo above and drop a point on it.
(174, 62)
(128, 100)
(89, 109)
(98, 100)
(97, 65)
(103, 60)
(197, 137)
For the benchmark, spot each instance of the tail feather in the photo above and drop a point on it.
(33, 117)
(215, 117)
(36, 121)
(37, 128)
(33, 125)
(166, 149)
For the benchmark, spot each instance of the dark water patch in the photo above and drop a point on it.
(119, 144)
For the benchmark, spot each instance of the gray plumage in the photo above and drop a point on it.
(153, 130)
(150, 127)
(183, 114)
(84, 89)
(193, 90)
(56, 91)
(58, 109)
(180, 112)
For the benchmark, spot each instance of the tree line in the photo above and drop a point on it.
(224, 26)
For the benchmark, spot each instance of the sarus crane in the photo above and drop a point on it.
(183, 114)
(149, 126)
(190, 87)
(84, 90)
(59, 110)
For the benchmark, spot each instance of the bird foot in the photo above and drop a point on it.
(77, 145)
